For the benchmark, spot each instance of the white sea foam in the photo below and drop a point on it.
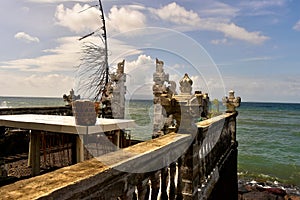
(4, 104)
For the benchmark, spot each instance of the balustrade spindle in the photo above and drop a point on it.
(172, 181)
(179, 181)
(154, 178)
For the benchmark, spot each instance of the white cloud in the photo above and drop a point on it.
(54, 74)
(272, 88)
(26, 37)
(262, 58)
(57, 1)
(297, 26)
(261, 7)
(54, 85)
(118, 20)
(76, 21)
(260, 4)
(217, 9)
(143, 61)
(177, 14)
(139, 77)
(63, 58)
(125, 18)
(233, 31)
(219, 41)
(180, 16)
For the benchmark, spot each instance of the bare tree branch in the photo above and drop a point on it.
(92, 70)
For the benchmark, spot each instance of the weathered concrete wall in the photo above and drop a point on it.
(204, 169)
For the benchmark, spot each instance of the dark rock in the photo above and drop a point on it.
(256, 195)
(250, 188)
(276, 191)
(291, 197)
(242, 189)
(261, 189)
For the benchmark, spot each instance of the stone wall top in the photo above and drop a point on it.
(208, 122)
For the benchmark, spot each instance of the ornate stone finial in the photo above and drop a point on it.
(159, 66)
(231, 102)
(186, 84)
(120, 69)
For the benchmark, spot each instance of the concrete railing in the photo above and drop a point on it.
(175, 166)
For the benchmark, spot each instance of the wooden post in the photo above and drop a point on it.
(34, 152)
(79, 148)
(116, 138)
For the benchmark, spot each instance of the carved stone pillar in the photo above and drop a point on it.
(231, 102)
(113, 97)
(119, 91)
(159, 78)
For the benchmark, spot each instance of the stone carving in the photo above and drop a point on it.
(172, 111)
(115, 77)
(113, 96)
(231, 102)
(160, 79)
(71, 97)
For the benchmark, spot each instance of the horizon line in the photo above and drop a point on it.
(146, 99)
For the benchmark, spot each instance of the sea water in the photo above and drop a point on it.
(269, 141)
(19, 102)
(268, 135)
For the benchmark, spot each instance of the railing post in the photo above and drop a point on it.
(232, 126)
(190, 175)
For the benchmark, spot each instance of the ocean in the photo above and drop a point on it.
(268, 135)
(269, 141)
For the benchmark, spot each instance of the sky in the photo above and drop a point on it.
(249, 46)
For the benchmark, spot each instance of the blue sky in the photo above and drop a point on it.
(251, 47)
